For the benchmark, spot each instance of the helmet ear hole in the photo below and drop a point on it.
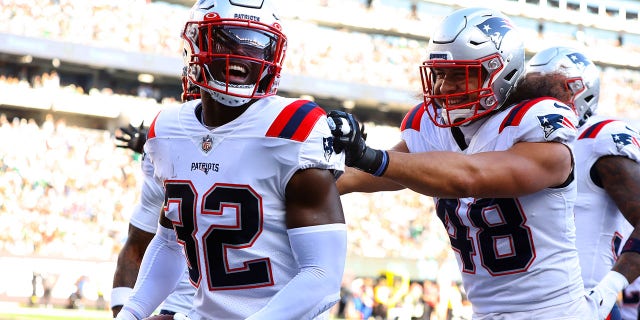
(510, 75)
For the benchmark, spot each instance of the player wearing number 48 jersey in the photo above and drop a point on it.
(248, 180)
(498, 161)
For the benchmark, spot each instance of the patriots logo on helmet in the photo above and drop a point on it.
(552, 122)
(207, 143)
(327, 144)
(495, 28)
(624, 139)
(579, 60)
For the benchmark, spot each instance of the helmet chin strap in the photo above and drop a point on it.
(223, 98)
(226, 99)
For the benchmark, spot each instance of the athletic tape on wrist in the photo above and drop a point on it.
(632, 245)
(120, 295)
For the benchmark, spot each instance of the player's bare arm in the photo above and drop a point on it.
(312, 199)
(620, 177)
(129, 260)
(525, 168)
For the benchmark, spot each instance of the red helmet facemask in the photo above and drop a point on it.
(233, 59)
(468, 94)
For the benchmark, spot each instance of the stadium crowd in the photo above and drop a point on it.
(380, 60)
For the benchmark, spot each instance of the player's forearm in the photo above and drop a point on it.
(124, 280)
(321, 255)
(161, 269)
(126, 269)
(523, 169)
(353, 180)
(441, 174)
(127, 266)
(628, 264)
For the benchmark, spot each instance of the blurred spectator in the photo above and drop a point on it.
(430, 298)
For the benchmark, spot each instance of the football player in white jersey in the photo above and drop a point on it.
(248, 179)
(607, 155)
(500, 171)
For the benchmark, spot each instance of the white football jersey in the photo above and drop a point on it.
(515, 254)
(145, 217)
(601, 227)
(225, 193)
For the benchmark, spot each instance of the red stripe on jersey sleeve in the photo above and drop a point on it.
(307, 124)
(283, 118)
(412, 118)
(517, 113)
(296, 121)
(152, 128)
(593, 131)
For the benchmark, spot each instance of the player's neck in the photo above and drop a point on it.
(214, 114)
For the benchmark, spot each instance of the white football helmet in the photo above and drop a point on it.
(233, 49)
(582, 77)
(482, 49)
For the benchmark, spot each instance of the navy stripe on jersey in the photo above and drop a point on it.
(296, 120)
(593, 130)
(517, 113)
(413, 118)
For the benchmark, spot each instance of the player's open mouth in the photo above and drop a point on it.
(238, 73)
(453, 102)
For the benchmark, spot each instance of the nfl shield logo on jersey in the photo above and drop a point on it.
(207, 143)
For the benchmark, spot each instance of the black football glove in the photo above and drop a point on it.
(133, 138)
(349, 136)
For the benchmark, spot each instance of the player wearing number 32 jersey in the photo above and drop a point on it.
(248, 179)
(225, 196)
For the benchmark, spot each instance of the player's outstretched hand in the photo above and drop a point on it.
(349, 136)
(133, 138)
